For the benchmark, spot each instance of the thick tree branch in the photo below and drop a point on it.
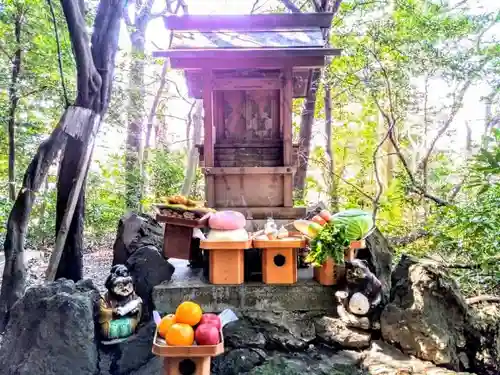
(290, 6)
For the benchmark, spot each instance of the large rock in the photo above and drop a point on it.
(335, 331)
(378, 254)
(52, 331)
(427, 316)
(135, 231)
(148, 268)
(385, 359)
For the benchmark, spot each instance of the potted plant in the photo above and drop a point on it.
(327, 250)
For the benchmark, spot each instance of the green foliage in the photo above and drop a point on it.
(166, 170)
(330, 242)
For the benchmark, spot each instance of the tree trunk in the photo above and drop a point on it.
(14, 273)
(95, 67)
(306, 124)
(333, 191)
(14, 99)
(193, 153)
(135, 121)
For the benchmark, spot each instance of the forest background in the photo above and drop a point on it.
(404, 124)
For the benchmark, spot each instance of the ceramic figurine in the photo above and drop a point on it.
(120, 308)
(363, 294)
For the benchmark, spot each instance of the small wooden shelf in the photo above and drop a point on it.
(226, 261)
(279, 259)
(196, 358)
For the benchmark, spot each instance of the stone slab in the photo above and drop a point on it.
(187, 284)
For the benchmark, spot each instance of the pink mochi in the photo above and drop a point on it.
(227, 220)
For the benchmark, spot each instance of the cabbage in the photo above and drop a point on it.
(358, 223)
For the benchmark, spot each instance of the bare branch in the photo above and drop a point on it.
(291, 6)
(59, 54)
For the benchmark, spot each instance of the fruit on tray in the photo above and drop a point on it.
(189, 326)
(211, 319)
(207, 334)
(180, 334)
(165, 324)
(188, 313)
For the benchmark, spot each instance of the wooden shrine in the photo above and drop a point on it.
(247, 70)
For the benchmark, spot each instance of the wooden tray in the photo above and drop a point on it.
(285, 243)
(161, 349)
(190, 223)
(225, 245)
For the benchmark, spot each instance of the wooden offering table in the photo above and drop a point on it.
(183, 360)
(178, 234)
(279, 259)
(226, 261)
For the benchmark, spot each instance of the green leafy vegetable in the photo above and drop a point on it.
(332, 242)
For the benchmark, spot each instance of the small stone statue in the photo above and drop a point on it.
(363, 293)
(120, 308)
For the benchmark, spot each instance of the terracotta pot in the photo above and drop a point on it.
(326, 274)
(181, 360)
(226, 261)
(279, 260)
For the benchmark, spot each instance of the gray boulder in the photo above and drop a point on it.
(52, 331)
(334, 331)
(427, 316)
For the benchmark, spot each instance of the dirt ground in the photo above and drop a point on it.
(96, 265)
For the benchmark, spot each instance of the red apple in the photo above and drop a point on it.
(207, 334)
(212, 319)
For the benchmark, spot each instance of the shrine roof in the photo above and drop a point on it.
(237, 38)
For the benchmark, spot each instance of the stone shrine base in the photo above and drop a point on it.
(189, 284)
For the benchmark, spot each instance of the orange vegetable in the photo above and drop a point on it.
(326, 215)
(319, 220)
(189, 313)
(165, 324)
(180, 334)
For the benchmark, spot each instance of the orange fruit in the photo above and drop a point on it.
(189, 313)
(165, 324)
(180, 334)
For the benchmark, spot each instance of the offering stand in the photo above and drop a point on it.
(226, 261)
(182, 360)
(178, 233)
(279, 259)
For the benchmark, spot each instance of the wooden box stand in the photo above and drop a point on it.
(226, 261)
(178, 235)
(279, 259)
(328, 273)
(186, 360)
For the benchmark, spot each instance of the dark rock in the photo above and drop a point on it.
(237, 361)
(342, 363)
(484, 338)
(153, 367)
(427, 316)
(129, 355)
(335, 331)
(242, 334)
(378, 254)
(135, 231)
(148, 268)
(52, 331)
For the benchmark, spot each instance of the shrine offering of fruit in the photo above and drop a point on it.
(189, 326)
(179, 206)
